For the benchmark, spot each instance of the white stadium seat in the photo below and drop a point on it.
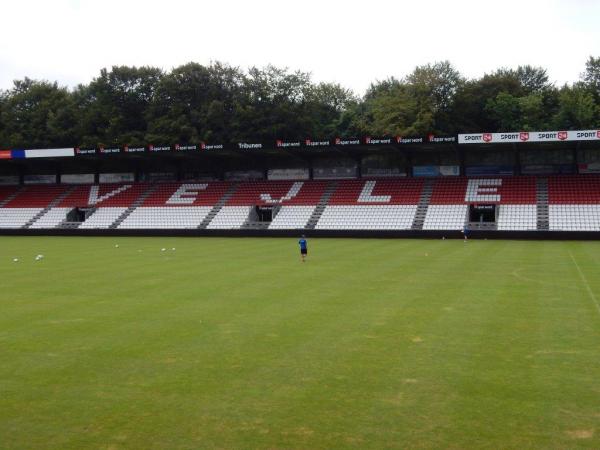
(230, 217)
(517, 217)
(445, 217)
(367, 217)
(52, 218)
(574, 217)
(292, 217)
(169, 217)
(17, 217)
(103, 217)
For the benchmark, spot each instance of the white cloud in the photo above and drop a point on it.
(351, 42)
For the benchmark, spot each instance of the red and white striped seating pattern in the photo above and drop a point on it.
(574, 203)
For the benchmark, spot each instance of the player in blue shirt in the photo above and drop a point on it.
(466, 233)
(303, 248)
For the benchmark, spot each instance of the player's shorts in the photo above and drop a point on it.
(303, 251)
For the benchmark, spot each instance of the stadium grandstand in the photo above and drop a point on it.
(496, 184)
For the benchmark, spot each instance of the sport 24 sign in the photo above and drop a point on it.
(529, 136)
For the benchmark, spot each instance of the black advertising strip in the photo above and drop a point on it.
(137, 149)
(379, 140)
(159, 148)
(345, 142)
(109, 150)
(309, 143)
(409, 140)
(440, 139)
(211, 146)
(84, 151)
(279, 143)
(186, 148)
(250, 146)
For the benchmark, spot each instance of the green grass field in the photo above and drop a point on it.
(234, 343)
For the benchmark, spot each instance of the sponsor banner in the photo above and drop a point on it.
(9, 180)
(529, 136)
(116, 177)
(449, 171)
(49, 153)
(426, 171)
(249, 146)
(17, 154)
(84, 151)
(5, 154)
(77, 178)
(541, 169)
(39, 179)
(489, 170)
(158, 176)
(159, 148)
(238, 175)
(335, 173)
(206, 146)
(186, 148)
(309, 143)
(479, 207)
(379, 141)
(133, 149)
(374, 172)
(287, 144)
(108, 150)
(288, 174)
(440, 139)
(409, 140)
(589, 168)
(206, 177)
(345, 142)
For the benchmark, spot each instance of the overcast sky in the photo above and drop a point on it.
(350, 42)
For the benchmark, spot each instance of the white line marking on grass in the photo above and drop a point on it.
(585, 282)
(517, 274)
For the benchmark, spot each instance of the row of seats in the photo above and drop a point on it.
(191, 194)
(445, 217)
(394, 191)
(574, 217)
(230, 217)
(334, 217)
(517, 217)
(103, 217)
(292, 217)
(367, 217)
(354, 204)
(266, 193)
(167, 218)
(52, 218)
(17, 217)
(574, 189)
(503, 190)
(562, 189)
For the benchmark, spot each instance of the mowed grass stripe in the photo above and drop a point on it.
(233, 343)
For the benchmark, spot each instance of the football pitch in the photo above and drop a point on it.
(236, 344)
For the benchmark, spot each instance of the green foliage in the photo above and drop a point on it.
(591, 77)
(218, 102)
(577, 108)
(37, 114)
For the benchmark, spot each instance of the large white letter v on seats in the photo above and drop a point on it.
(93, 198)
(366, 195)
(483, 190)
(186, 194)
(290, 195)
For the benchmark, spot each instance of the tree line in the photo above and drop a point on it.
(221, 103)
